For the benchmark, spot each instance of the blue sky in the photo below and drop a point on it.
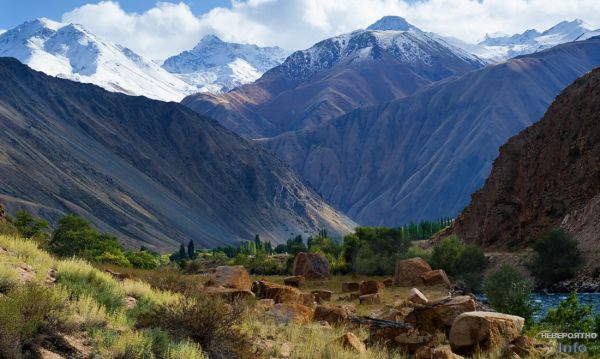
(15, 12)
(162, 29)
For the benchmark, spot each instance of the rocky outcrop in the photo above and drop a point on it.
(545, 177)
(311, 266)
(290, 313)
(409, 272)
(490, 332)
(279, 293)
(230, 277)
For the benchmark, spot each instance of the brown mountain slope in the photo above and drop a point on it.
(546, 177)
(146, 170)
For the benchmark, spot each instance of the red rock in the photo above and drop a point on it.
(230, 294)
(334, 314)
(370, 287)
(350, 287)
(311, 266)
(321, 295)
(350, 340)
(279, 293)
(230, 277)
(435, 277)
(409, 272)
(295, 281)
(290, 313)
(370, 299)
(491, 332)
(416, 296)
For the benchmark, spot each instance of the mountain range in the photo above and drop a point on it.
(216, 66)
(70, 51)
(546, 177)
(388, 60)
(148, 171)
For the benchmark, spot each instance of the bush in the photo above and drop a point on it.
(28, 315)
(30, 227)
(209, 322)
(571, 317)
(445, 253)
(509, 292)
(557, 257)
(143, 260)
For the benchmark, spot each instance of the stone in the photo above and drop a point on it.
(334, 314)
(436, 277)
(350, 287)
(388, 282)
(279, 293)
(321, 295)
(439, 315)
(230, 277)
(262, 305)
(370, 299)
(311, 266)
(442, 352)
(290, 313)
(308, 299)
(413, 339)
(492, 332)
(130, 302)
(416, 296)
(409, 272)
(296, 281)
(370, 287)
(351, 341)
(229, 294)
(285, 350)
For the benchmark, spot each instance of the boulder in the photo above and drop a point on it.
(523, 346)
(334, 314)
(290, 313)
(439, 315)
(370, 299)
(295, 281)
(388, 282)
(412, 339)
(350, 287)
(279, 293)
(491, 332)
(321, 295)
(416, 296)
(442, 352)
(435, 277)
(370, 287)
(409, 272)
(351, 341)
(229, 294)
(230, 277)
(308, 299)
(262, 305)
(311, 266)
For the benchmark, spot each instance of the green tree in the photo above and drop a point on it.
(509, 292)
(30, 227)
(191, 250)
(296, 245)
(557, 257)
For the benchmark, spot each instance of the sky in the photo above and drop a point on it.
(161, 29)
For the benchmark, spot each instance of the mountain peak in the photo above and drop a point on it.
(210, 39)
(393, 23)
(47, 23)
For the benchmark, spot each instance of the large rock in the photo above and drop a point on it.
(409, 272)
(350, 287)
(229, 294)
(321, 295)
(442, 352)
(416, 296)
(439, 315)
(491, 332)
(370, 287)
(294, 281)
(230, 277)
(311, 266)
(334, 314)
(279, 293)
(290, 313)
(369, 299)
(436, 277)
(412, 339)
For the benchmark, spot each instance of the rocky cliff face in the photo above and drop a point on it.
(546, 177)
(145, 170)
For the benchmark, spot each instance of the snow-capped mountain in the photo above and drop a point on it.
(499, 47)
(70, 51)
(391, 35)
(216, 66)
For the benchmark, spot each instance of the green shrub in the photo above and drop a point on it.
(557, 257)
(209, 322)
(30, 227)
(143, 260)
(29, 314)
(445, 254)
(509, 292)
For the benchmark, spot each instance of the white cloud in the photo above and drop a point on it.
(169, 28)
(2, 31)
